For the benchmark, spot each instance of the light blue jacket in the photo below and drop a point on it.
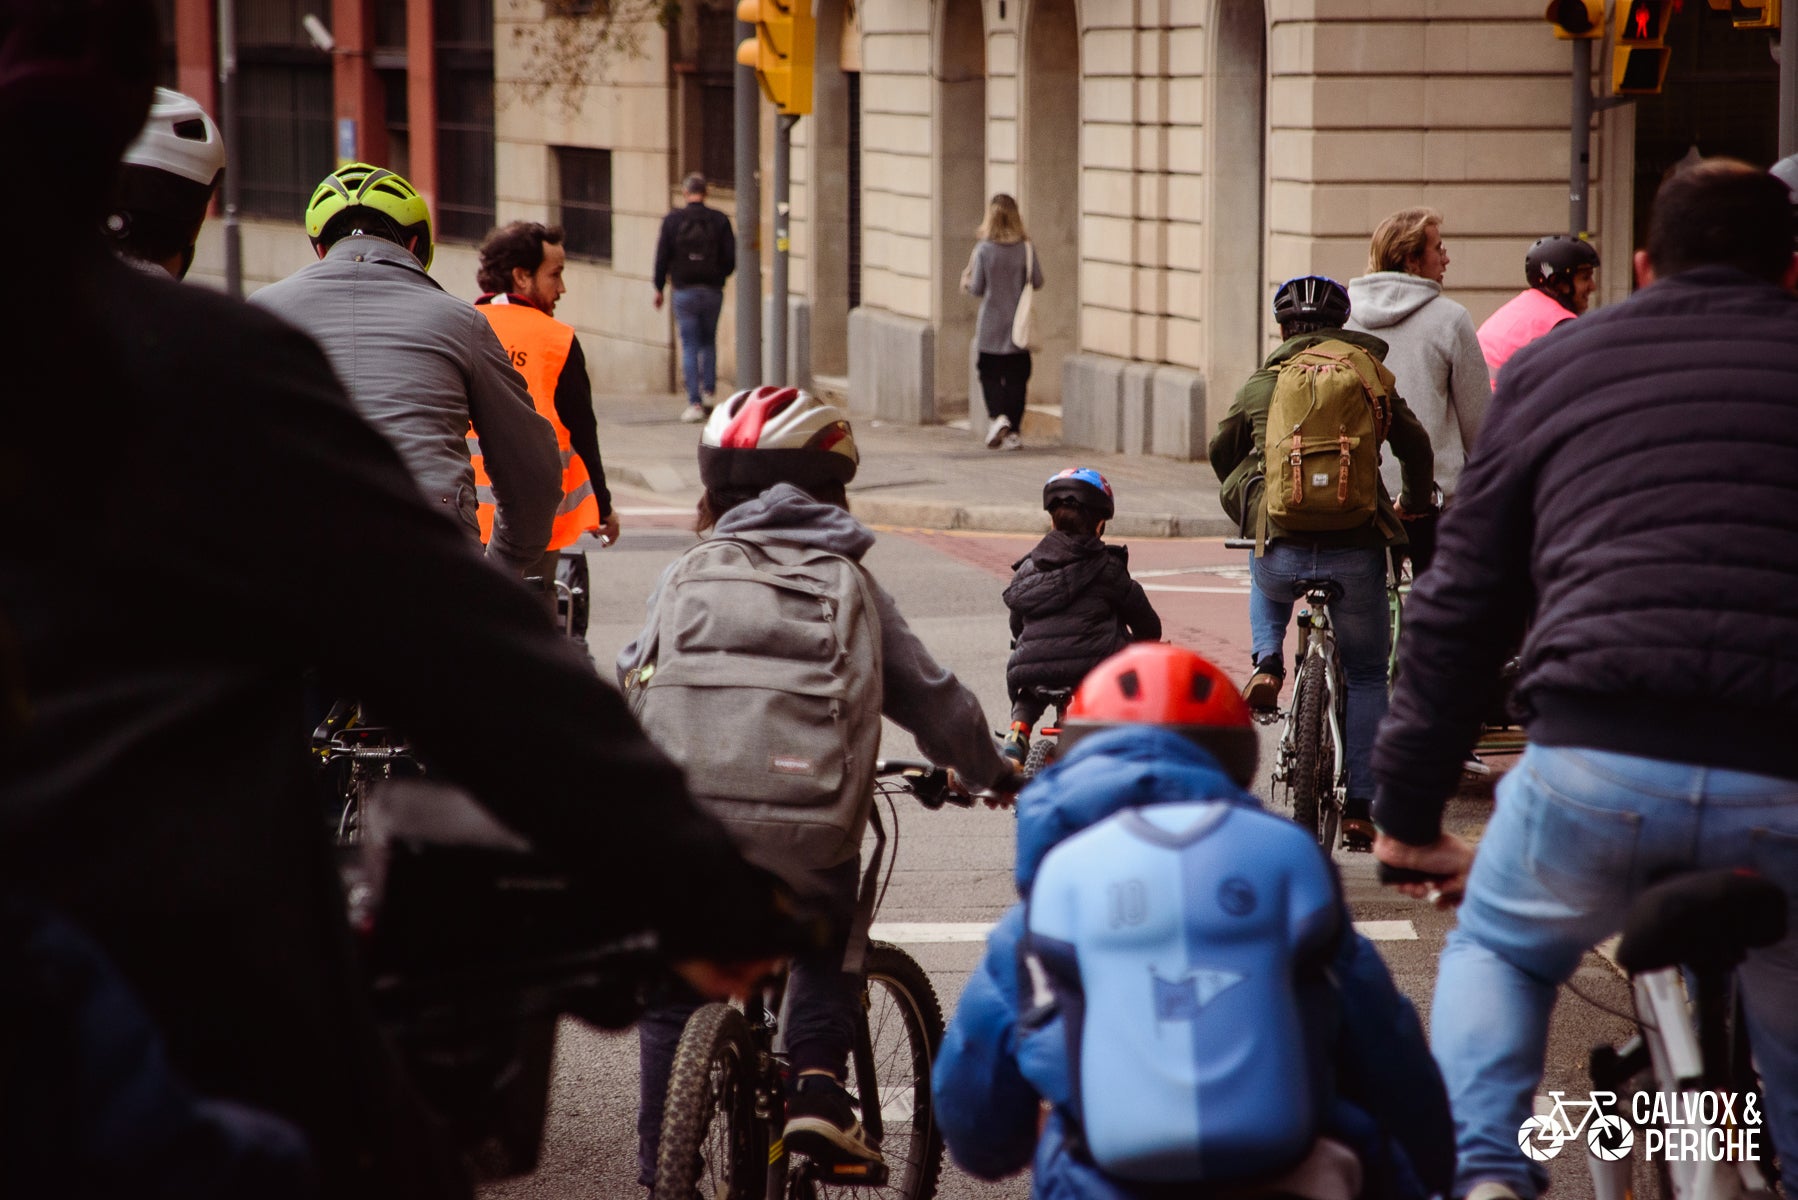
(1390, 1103)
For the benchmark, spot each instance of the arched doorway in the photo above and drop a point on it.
(1236, 297)
(959, 164)
(1050, 182)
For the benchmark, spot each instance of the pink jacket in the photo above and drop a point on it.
(1524, 318)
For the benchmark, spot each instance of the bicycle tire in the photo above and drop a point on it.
(1310, 765)
(1042, 753)
(713, 1082)
(905, 1025)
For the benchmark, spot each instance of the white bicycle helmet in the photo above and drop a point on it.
(771, 435)
(166, 180)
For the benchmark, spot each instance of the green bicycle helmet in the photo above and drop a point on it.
(370, 189)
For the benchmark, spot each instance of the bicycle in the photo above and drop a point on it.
(354, 757)
(1042, 749)
(723, 1120)
(1697, 928)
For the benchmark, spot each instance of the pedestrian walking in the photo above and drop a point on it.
(696, 252)
(1004, 271)
(1635, 509)
(1431, 350)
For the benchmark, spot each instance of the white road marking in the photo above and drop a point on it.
(1208, 591)
(646, 510)
(927, 933)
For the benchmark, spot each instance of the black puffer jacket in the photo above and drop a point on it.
(1073, 605)
(1633, 501)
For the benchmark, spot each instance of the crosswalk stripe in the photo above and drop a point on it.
(1206, 591)
(938, 933)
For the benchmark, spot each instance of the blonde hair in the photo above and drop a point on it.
(1002, 224)
(1400, 238)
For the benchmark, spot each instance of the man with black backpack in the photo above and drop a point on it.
(1299, 457)
(697, 251)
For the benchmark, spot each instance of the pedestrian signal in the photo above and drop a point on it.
(1576, 18)
(781, 51)
(1639, 59)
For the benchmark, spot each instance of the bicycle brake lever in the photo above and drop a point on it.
(1391, 874)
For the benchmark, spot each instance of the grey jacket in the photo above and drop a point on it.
(996, 274)
(1434, 354)
(917, 692)
(419, 365)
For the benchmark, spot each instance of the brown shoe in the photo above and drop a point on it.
(1263, 691)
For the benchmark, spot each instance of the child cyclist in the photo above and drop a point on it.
(1073, 603)
(765, 636)
(1182, 984)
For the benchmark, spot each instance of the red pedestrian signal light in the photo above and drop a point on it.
(1639, 59)
(1576, 19)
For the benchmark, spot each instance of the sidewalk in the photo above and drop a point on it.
(928, 476)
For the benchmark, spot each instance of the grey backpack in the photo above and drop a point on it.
(761, 677)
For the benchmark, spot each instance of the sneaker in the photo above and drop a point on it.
(1357, 826)
(1016, 746)
(694, 415)
(1492, 1189)
(1262, 691)
(822, 1125)
(995, 433)
(1012, 441)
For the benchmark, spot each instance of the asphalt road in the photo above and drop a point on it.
(953, 868)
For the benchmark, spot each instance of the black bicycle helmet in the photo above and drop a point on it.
(1312, 300)
(1085, 487)
(1555, 258)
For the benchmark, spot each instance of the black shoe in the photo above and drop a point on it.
(822, 1125)
(1262, 692)
(1357, 825)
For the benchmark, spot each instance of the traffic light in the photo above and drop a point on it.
(780, 51)
(1639, 59)
(1576, 18)
(1754, 14)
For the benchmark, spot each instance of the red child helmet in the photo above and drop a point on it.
(1152, 683)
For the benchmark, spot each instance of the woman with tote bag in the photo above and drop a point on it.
(1004, 272)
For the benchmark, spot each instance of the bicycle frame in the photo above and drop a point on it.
(1317, 638)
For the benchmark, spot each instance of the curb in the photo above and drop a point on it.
(949, 516)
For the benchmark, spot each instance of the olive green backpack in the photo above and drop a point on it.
(1331, 408)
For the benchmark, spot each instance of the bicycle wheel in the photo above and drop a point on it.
(905, 1028)
(1314, 755)
(712, 1144)
(1042, 753)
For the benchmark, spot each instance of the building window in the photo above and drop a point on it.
(389, 63)
(585, 190)
(167, 67)
(284, 109)
(715, 76)
(465, 128)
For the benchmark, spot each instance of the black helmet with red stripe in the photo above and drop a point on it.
(771, 435)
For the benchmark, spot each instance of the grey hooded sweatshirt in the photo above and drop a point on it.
(918, 693)
(1434, 354)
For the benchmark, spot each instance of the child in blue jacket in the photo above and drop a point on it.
(1159, 743)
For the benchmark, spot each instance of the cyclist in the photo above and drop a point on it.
(1072, 601)
(775, 462)
(1311, 310)
(420, 365)
(1634, 508)
(1561, 272)
(1150, 731)
(166, 181)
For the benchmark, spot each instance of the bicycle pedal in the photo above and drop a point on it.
(861, 1174)
(1267, 716)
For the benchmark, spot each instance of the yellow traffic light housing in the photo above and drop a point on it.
(781, 51)
(1639, 59)
(1575, 19)
(1753, 14)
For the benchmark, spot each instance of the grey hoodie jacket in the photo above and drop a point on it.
(919, 693)
(1434, 354)
(419, 365)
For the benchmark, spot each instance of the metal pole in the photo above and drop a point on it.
(1788, 78)
(233, 155)
(777, 329)
(749, 219)
(1579, 172)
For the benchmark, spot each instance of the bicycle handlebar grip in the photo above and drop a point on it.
(1391, 874)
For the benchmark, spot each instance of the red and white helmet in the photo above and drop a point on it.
(771, 435)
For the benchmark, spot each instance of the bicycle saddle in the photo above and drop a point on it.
(1329, 587)
(1707, 921)
(1051, 695)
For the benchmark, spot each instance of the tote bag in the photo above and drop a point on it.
(1021, 332)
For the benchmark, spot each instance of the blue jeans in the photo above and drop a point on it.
(696, 312)
(1362, 627)
(1576, 835)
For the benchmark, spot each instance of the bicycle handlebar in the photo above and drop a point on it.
(924, 780)
(1391, 874)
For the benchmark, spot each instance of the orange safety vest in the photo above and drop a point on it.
(538, 345)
